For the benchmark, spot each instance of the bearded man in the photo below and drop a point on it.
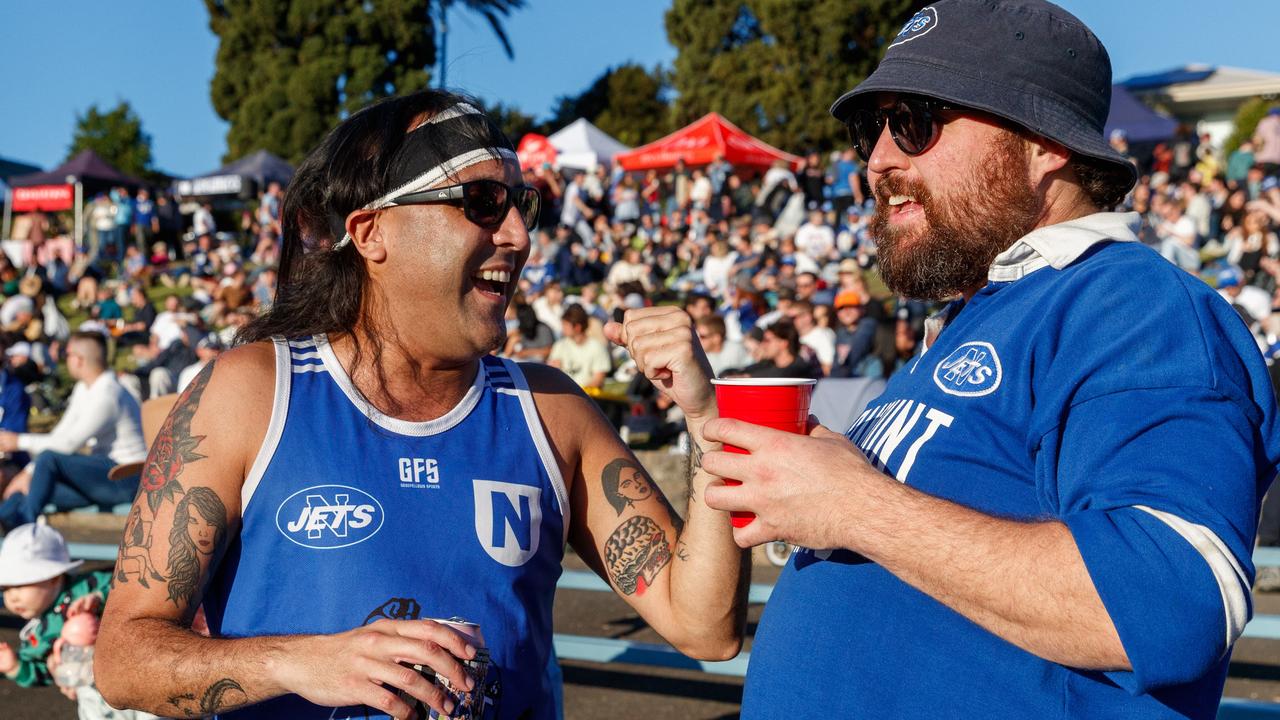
(1050, 511)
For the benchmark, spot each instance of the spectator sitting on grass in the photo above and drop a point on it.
(101, 417)
(581, 357)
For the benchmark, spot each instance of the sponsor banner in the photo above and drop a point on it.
(212, 185)
(48, 198)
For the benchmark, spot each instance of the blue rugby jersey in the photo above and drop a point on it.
(350, 516)
(1091, 382)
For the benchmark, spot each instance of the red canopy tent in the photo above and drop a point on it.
(700, 142)
(535, 150)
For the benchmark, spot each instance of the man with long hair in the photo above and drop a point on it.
(361, 447)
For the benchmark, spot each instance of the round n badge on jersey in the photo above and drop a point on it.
(971, 370)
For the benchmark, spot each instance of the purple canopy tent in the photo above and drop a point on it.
(84, 171)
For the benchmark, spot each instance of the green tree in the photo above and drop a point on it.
(116, 135)
(288, 70)
(513, 122)
(628, 102)
(1247, 118)
(637, 111)
(773, 67)
(587, 104)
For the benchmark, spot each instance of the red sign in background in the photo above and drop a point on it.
(43, 197)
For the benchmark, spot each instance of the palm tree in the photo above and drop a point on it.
(490, 10)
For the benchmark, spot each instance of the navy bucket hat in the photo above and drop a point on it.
(1027, 61)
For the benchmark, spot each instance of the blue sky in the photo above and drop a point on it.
(61, 56)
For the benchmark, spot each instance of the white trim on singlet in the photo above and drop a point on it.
(540, 440)
(275, 428)
(404, 427)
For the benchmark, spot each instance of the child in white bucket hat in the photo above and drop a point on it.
(35, 578)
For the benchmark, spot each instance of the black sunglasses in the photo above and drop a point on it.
(484, 202)
(914, 124)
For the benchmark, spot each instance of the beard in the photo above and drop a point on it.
(964, 229)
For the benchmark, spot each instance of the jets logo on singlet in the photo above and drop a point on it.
(327, 517)
(971, 370)
(508, 518)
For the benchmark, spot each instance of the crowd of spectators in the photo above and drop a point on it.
(90, 330)
(1217, 218)
(779, 272)
(775, 265)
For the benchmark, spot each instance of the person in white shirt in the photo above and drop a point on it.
(1177, 234)
(716, 268)
(549, 306)
(580, 356)
(722, 354)
(701, 192)
(102, 418)
(166, 329)
(209, 347)
(821, 340)
(202, 222)
(816, 239)
(629, 269)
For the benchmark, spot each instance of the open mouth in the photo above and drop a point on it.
(900, 205)
(492, 282)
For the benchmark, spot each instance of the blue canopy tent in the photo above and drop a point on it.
(1140, 123)
(9, 168)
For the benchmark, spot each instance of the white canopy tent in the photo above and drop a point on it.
(581, 145)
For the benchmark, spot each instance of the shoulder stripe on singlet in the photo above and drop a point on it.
(309, 369)
(496, 374)
(312, 355)
(302, 343)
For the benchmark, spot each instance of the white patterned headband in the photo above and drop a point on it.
(439, 147)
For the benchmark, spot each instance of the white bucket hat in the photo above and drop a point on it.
(33, 553)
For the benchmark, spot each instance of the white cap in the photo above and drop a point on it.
(19, 348)
(33, 553)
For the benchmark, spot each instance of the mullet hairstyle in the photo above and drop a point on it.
(1104, 183)
(321, 290)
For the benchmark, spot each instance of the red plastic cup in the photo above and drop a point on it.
(778, 403)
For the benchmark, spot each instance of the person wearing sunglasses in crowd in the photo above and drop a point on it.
(1050, 511)
(367, 465)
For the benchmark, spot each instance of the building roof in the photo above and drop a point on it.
(1200, 83)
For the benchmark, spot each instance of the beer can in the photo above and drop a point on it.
(466, 705)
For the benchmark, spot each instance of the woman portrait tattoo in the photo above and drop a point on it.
(625, 483)
(199, 527)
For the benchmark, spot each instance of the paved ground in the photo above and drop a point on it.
(625, 692)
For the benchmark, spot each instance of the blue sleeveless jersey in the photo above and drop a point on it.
(350, 516)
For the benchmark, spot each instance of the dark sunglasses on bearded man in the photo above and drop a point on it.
(914, 123)
(484, 202)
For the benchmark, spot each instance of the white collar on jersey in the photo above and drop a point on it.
(1058, 246)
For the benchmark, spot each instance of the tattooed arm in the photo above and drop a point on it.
(186, 514)
(686, 578)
